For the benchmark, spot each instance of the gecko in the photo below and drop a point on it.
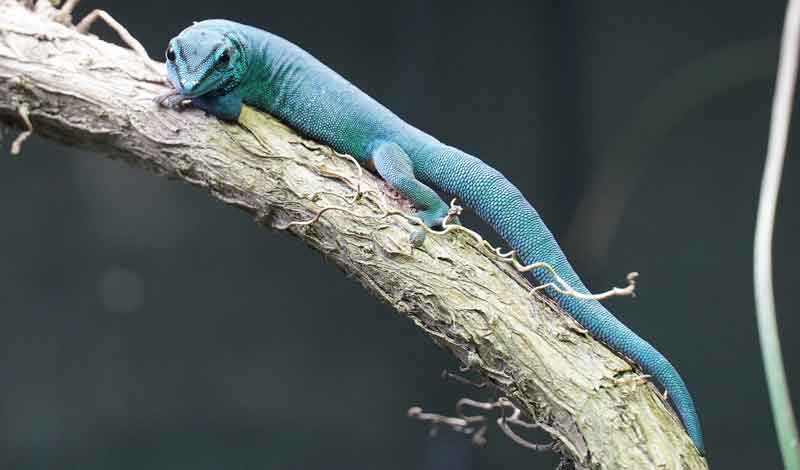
(219, 65)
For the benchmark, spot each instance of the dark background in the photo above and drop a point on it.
(145, 325)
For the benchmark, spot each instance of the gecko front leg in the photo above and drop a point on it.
(172, 99)
(226, 107)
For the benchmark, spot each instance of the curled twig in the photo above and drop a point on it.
(16, 146)
(564, 288)
(476, 425)
(504, 423)
(446, 374)
(300, 223)
(560, 285)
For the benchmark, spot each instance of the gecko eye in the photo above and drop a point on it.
(223, 61)
(170, 54)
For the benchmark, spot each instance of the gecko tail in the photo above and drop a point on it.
(500, 204)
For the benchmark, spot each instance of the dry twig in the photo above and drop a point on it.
(86, 23)
(476, 425)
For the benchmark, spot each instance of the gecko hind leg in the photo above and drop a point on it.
(394, 165)
(226, 107)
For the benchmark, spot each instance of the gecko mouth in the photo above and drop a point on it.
(194, 88)
(191, 87)
(222, 87)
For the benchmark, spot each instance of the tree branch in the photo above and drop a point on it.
(81, 91)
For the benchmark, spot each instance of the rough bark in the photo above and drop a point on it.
(84, 92)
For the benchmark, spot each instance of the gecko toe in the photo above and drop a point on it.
(172, 100)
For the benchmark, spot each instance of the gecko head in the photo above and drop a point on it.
(203, 60)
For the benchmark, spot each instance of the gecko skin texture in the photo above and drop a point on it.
(219, 65)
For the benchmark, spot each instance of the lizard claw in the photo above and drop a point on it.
(172, 99)
(417, 237)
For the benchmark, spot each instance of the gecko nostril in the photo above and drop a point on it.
(188, 84)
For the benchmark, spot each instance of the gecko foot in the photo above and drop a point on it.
(432, 220)
(172, 99)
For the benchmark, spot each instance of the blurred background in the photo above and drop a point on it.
(144, 324)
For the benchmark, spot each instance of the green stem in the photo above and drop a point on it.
(782, 412)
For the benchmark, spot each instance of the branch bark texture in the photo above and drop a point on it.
(84, 92)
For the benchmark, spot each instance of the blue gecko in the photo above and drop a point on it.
(218, 65)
